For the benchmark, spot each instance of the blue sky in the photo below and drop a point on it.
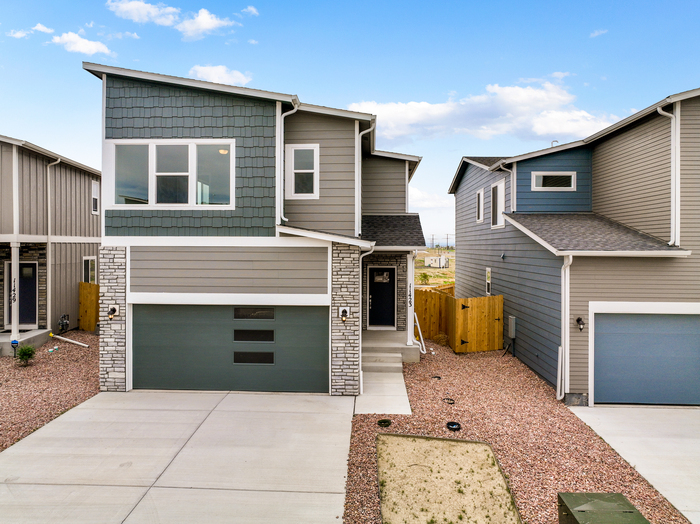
(446, 79)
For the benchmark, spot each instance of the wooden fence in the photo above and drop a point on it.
(89, 306)
(471, 324)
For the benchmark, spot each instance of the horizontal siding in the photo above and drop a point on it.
(528, 276)
(5, 189)
(528, 201)
(383, 185)
(229, 270)
(334, 210)
(632, 177)
(67, 272)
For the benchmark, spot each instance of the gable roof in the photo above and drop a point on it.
(400, 231)
(46, 152)
(590, 234)
(483, 162)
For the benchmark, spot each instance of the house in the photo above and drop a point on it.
(440, 262)
(49, 239)
(595, 246)
(249, 239)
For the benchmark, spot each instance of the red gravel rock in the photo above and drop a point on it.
(51, 384)
(542, 447)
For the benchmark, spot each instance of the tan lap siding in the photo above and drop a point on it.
(383, 185)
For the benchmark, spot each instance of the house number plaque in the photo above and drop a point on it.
(13, 295)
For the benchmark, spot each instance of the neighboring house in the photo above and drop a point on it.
(595, 246)
(49, 218)
(240, 230)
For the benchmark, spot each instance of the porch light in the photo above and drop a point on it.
(344, 315)
(581, 323)
(112, 311)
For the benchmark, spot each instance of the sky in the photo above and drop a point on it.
(445, 79)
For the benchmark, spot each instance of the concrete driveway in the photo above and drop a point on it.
(662, 444)
(183, 457)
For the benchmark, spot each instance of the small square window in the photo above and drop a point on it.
(553, 181)
(302, 171)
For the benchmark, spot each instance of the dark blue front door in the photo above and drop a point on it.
(25, 286)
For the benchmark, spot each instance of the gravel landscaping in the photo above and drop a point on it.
(51, 384)
(542, 447)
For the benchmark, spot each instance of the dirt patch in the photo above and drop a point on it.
(439, 480)
(51, 384)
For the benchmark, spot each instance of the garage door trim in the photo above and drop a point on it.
(651, 308)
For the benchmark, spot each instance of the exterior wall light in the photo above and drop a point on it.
(343, 314)
(581, 323)
(112, 311)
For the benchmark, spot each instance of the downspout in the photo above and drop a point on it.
(358, 179)
(512, 185)
(675, 175)
(49, 254)
(280, 145)
(564, 348)
(363, 255)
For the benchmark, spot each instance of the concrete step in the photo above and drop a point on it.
(382, 367)
(381, 357)
(408, 353)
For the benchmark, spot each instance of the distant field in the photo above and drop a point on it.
(435, 275)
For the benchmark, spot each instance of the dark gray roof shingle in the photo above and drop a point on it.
(393, 230)
(487, 161)
(588, 232)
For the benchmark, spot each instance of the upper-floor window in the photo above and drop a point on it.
(95, 197)
(480, 205)
(174, 172)
(498, 204)
(553, 181)
(302, 171)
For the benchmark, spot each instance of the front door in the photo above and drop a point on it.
(381, 302)
(25, 287)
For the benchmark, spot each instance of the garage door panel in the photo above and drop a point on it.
(647, 359)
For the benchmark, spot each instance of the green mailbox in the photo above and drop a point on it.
(597, 508)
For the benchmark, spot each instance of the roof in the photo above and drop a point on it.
(589, 234)
(402, 231)
(46, 152)
(322, 235)
(483, 162)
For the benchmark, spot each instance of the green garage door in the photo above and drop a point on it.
(230, 348)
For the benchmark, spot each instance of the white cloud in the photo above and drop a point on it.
(560, 75)
(21, 33)
(220, 75)
(251, 41)
(77, 44)
(142, 12)
(202, 24)
(530, 112)
(42, 28)
(250, 10)
(90, 24)
(81, 31)
(126, 34)
(424, 200)
(598, 33)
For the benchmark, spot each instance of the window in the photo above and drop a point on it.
(253, 335)
(90, 270)
(553, 181)
(480, 205)
(95, 197)
(175, 173)
(488, 281)
(498, 204)
(302, 171)
(254, 313)
(253, 357)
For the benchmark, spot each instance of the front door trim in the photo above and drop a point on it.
(6, 291)
(396, 274)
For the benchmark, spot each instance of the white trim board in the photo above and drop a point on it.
(221, 299)
(33, 239)
(188, 241)
(329, 237)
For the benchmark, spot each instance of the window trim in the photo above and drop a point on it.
(93, 257)
(480, 206)
(500, 219)
(95, 195)
(488, 282)
(535, 174)
(192, 143)
(289, 171)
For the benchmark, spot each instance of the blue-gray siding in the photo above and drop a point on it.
(528, 201)
(528, 277)
(143, 110)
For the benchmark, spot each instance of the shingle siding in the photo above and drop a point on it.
(145, 110)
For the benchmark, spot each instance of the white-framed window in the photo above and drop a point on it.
(488, 281)
(480, 205)
(95, 200)
(174, 173)
(498, 204)
(90, 270)
(553, 181)
(301, 171)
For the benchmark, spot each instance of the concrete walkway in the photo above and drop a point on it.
(383, 393)
(662, 444)
(183, 457)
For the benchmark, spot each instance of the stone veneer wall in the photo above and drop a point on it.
(388, 259)
(345, 337)
(113, 332)
(27, 253)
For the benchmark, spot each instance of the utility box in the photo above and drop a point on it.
(511, 326)
(597, 508)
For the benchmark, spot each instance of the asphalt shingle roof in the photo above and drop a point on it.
(487, 161)
(393, 230)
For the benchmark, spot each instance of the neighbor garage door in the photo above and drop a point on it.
(647, 359)
(230, 348)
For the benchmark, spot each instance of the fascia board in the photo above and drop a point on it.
(399, 248)
(397, 156)
(636, 254)
(344, 113)
(325, 236)
(46, 152)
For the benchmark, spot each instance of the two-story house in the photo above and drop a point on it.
(248, 239)
(49, 239)
(595, 246)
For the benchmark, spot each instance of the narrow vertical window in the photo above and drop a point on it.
(90, 270)
(95, 197)
(498, 204)
(480, 205)
(214, 174)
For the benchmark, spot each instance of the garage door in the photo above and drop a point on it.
(230, 348)
(647, 359)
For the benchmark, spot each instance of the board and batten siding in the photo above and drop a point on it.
(383, 185)
(5, 189)
(529, 201)
(334, 210)
(67, 272)
(143, 110)
(632, 176)
(528, 277)
(295, 270)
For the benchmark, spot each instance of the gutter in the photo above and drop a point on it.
(513, 189)
(675, 172)
(358, 174)
(49, 254)
(280, 154)
(562, 362)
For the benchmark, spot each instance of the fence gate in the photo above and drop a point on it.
(89, 306)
